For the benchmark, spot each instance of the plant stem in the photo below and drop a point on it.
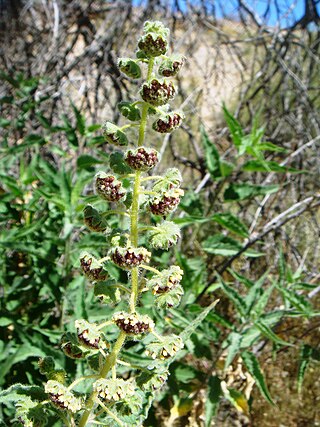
(154, 270)
(159, 337)
(147, 228)
(130, 125)
(151, 193)
(110, 413)
(110, 361)
(134, 237)
(134, 216)
(77, 381)
(154, 177)
(104, 324)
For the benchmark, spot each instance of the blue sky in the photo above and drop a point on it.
(289, 10)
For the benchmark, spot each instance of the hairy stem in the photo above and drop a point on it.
(107, 410)
(134, 216)
(110, 362)
(134, 237)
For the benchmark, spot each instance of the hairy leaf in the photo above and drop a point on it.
(253, 366)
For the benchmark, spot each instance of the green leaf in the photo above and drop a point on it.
(129, 110)
(4, 122)
(305, 357)
(243, 191)
(254, 293)
(9, 79)
(191, 203)
(17, 391)
(43, 121)
(190, 220)
(234, 339)
(231, 222)
(234, 296)
(237, 399)
(251, 334)
(217, 318)
(268, 333)
(305, 286)
(185, 373)
(253, 366)
(197, 322)
(212, 399)
(34, 139)
(211, 155)
(242, 279)
(234, 127)
(80, 120)
(22, 353)
(86, 162)
(268, 146)
(118, 165)
(5, 321)
(226, 168)
(265, 166)
(262, 302)
(296, 300)
(219, 244)
(107, 292)
(99, 139)
(78, 284)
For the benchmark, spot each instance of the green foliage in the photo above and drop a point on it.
(42, 201)
(253, 367)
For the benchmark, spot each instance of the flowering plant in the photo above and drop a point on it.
(118, 392)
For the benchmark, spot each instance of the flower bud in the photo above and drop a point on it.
(128, 258)
(89, 335)
(61, 397)
(166, 281)
(169, 299)
(153, 45)
(108, 187)
(46, 365)
(168, 124)
(142, 159)
(129, 110)
(133, 323)
(94, 220)
(113, 389)
(91, 267)
(171, 66)
(152, 381)
(70, 346)
(164, 235)
(114, 134)
(166, 202)
(129, 67)
(165, 349)
(157, 93)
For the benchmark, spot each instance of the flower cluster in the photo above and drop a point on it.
(129, 190)
(89, 335)
(113, 389)
(61, 397)
(165, 349)
(91, 267)
(133, 323)
(128, 258)
(142, 159)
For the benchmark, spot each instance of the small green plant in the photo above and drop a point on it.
(118, 392)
